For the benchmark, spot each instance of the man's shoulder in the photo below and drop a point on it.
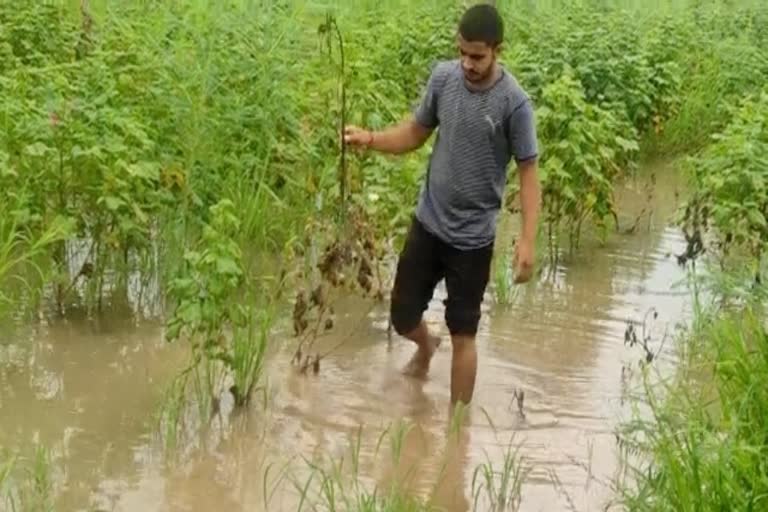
(450, 66)
(514, 93)
(443, 70)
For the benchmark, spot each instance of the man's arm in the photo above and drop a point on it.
(410, 134)
(524, 144)
(530, 199)
(401, 138)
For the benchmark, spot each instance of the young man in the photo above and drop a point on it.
(485, 119)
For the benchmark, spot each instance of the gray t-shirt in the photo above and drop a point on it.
(479, 133)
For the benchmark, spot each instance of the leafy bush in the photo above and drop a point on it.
(34, 34)
(730, 181)
(133, 125)
(582, 157)
(208, 311)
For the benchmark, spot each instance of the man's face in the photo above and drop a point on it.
(477, 59)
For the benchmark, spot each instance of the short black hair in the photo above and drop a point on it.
(482, 23)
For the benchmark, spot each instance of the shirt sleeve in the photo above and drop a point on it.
(426, 111)
(521, 128)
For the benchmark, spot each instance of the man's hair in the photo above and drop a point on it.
(482, 23)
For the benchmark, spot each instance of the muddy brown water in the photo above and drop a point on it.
(88, 390)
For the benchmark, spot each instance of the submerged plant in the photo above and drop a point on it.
(336, 484)
(31, 490)
(249, 351)
(349, 263)
(6, 467)
(223, 329)
(19, 248)
(499, 488)
(631, 337)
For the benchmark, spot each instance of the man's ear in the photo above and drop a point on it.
(497, 49)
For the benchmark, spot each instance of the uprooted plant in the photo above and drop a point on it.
(349, 263)
(349, 260)
(327, 31)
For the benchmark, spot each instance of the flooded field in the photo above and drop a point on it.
(90, 391)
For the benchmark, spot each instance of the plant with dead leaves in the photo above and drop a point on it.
(350, 262)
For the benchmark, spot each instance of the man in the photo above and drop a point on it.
(485, 119)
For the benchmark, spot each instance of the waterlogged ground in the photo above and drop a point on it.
(89, 390)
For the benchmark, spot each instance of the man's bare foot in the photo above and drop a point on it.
(418, 366)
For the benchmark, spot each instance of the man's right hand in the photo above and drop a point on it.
(404, 137)
(357, 136)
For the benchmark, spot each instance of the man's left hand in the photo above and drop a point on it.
(525, 254)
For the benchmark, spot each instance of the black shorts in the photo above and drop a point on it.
(423, 262)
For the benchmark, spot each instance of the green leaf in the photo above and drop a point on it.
(140, 215)
(113, 203)
(8, 172)
(173, 329)
(37, 149)
(756, 218)
(627, 145)
(227, 266)
(190, 313)
(143, 170)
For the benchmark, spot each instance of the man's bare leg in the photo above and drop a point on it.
(463, 368)
(426, 344)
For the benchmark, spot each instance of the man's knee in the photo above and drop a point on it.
(462, 319)
(405, 317)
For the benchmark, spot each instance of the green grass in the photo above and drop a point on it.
(249, 353)
(6, 467)
(21, 270)
(505, 290)
(500, 489)
(705, 443)
(27, 489)
(338, 485)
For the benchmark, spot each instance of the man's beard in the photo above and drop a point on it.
(477, 78)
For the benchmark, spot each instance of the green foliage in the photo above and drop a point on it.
(33, 35)
(730, 184)
(627, 64)
(338, 487)
(209, 311)
(705, 444)
(6, 467)
(132, 124)
(19, 250)
(249, 351)
(214, 128)
(714, 56)
(28, 489)
(73, 147)
(206, 289)
(337, 494)
(579, 169)
(501, 486)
